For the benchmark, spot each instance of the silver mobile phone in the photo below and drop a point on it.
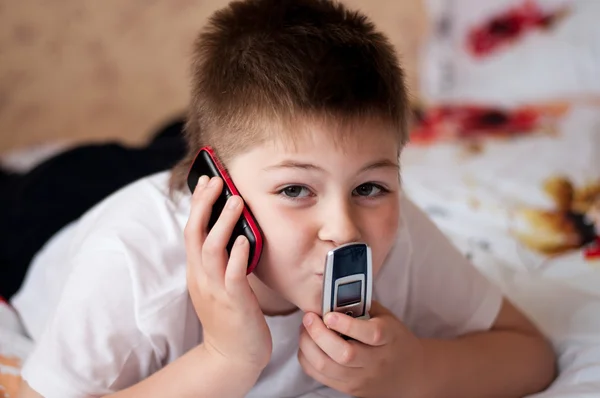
(348, 280)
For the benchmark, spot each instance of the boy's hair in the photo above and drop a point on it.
(260, 63)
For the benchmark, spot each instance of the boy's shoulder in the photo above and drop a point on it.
(142, 224)
(134, 235)
(137, 214)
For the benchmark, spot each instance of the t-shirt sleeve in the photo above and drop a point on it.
(448, 296)
(91, 346)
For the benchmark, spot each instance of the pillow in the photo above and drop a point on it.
(504, 51)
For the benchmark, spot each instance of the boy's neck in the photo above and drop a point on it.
(271, 303)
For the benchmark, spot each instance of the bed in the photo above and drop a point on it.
(476, 194)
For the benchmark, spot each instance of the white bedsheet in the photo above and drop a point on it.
(472, 197)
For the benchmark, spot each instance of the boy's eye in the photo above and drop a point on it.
(368, 189)
(295, 191)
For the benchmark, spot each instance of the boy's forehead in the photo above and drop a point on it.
(313, 135)
(310, 142)
(319, 147)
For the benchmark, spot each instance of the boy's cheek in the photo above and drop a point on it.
(278, 219)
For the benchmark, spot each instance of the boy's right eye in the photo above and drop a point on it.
(295, 191)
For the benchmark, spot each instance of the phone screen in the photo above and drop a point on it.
(349, 293)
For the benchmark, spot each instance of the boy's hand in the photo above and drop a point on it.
(384, 360)
(233, 325)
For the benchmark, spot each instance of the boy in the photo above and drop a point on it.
(305, 104)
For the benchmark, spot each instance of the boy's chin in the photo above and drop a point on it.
(309, 301)
(311, 307)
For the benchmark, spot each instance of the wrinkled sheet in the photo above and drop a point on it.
(476, 186)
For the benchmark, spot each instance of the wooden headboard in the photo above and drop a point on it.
(87, 70)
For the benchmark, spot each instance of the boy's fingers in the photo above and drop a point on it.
(310, 369)
(317, 359)
(214, 249)
(341, 351)
(236, 280)
(339, 384)
(196, 226)
(373, 332)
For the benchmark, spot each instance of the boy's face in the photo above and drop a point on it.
(313, 197)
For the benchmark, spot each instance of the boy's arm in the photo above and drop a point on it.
(477, 343)
(513, 359)
(196, 374)
(93, 346)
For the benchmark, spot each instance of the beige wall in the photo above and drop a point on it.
(93, 70)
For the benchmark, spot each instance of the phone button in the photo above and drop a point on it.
(349, 313)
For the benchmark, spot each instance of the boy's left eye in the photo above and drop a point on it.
(368, 189)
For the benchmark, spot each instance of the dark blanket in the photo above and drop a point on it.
(36, 205)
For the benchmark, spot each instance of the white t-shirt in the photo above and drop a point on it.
(107, 305)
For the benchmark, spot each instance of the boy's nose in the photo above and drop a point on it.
(339, 226)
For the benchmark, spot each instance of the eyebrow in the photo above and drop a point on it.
(290, 164)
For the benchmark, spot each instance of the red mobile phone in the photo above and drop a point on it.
(207, 163)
